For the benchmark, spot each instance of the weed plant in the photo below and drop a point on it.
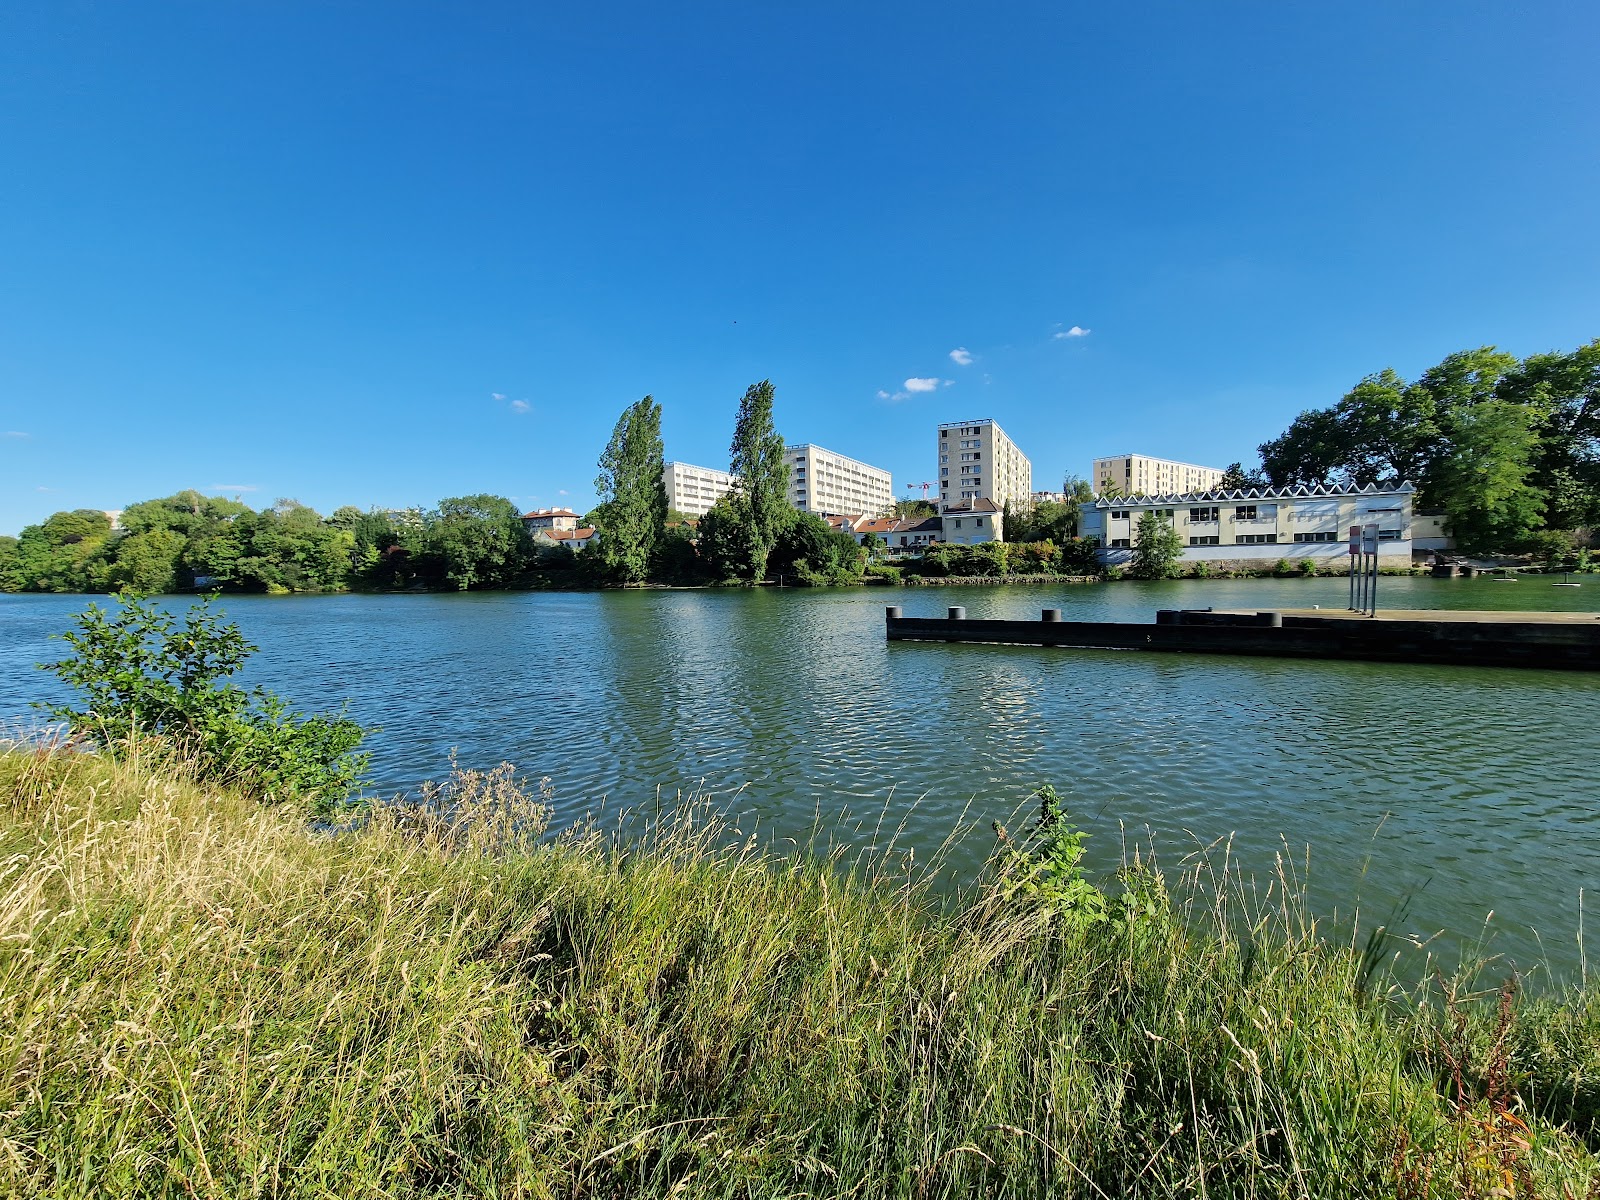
(201, 996)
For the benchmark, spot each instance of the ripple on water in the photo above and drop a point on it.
(1465, 789)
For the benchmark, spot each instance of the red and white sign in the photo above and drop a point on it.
(1355, 540)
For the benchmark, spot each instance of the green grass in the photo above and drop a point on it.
(200, 996)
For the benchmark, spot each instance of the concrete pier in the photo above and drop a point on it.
(1560, 641)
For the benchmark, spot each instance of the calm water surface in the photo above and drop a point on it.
(1467, 790)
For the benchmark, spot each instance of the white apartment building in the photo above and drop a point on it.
(694, 490)
(822, 481)
(1244, 527)
(977, 461)
(1141, 475)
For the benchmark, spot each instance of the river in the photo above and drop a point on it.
(1457, 790)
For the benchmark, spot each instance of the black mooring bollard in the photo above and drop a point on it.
(1050, 615)
(1272, 620)
(891, 612)
(957, 613)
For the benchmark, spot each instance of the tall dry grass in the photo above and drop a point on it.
(200, 996)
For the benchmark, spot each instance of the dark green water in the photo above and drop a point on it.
(1468, 790)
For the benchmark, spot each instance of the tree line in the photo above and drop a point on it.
(1507, 449)
(751, 534)
(190, 541)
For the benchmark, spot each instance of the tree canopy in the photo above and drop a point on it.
(760, 499)
(1502, 447)
(631, 518)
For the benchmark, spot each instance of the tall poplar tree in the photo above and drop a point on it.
(631, 519)
(760, 499)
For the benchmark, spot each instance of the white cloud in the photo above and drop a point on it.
(497, 395)
(1075, 331)
(563, 492)
(949, 383)
(921, 385)
(233, 487)
(961, 356)
(15, 433)
(883, 395)
(520, 406)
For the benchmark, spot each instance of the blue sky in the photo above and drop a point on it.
(381, 253)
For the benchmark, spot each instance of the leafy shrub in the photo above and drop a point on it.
(1307, 567)
(885, 572)
(144, 676)
(1200, 570)
(1283, 567)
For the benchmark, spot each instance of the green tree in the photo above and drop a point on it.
(1157, 549)
(720, 542)
(1564, 391)
(10, 565)
(1046, 521)
(816, 553)
(915, 508)
(65, 553)
(144, 676)
(480, 540)
(761, 495)
(147, 563)
(1236, 479)
(631, 518)
(1482, 483)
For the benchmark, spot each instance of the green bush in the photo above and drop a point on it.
(885, 572)
(143, 676)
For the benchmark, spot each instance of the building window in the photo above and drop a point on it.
(1245, 512)
(978, 522)
(1201, 515)
(1204, 541)
(1120, 543)
(1389, 535)
(958, 522)
(1119, 514)
(1329, 536)
(1256, 539)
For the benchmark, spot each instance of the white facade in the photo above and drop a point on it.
(1141, 475)
(978, 461)
(1258, 524)
(694, 490)
(971, 522)
(822, 481)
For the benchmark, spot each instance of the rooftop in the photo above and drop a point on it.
(1298, 492)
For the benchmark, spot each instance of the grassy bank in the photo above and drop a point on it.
(200, 996)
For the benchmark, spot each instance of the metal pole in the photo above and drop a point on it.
(1373, 595)
(1351, 607)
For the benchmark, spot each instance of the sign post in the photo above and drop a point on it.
(1369, 549)
(1355, 549)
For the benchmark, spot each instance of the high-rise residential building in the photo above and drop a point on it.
(978, 461)
(693, 490)
(1141, 475)
(822, 481)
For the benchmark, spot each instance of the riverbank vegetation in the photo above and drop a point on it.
(199, 995)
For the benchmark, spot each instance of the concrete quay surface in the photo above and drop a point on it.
(1446, 615)
(1541, 640)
